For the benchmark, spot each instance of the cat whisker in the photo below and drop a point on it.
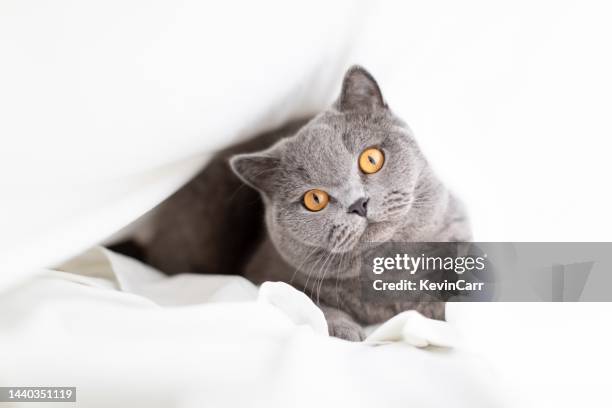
(310, 271)
(302, 264)
(331, 232)
(331, 257)
(422, 204)
(321, 269)
(397, 207)
(397, 200)
(338, 271)
(344, 241)
(316, 277)
(340, 236)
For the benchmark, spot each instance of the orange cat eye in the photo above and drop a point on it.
(371, 160)
(316, 200)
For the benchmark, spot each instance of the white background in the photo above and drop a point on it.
(511, 102)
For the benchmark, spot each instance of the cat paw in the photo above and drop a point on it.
(346, 331)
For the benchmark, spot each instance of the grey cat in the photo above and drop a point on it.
(327, 187)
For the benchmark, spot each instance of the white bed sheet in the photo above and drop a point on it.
(125, 335)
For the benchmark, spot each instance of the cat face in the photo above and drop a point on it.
(348, 176)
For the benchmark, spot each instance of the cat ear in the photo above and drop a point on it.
(256, 169)
(360, 91)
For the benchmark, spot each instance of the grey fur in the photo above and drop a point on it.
(318, 252)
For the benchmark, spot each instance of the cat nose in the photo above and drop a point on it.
(359, 207)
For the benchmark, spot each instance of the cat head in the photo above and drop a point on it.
(348, 176)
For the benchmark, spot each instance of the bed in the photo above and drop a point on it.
(111, 107)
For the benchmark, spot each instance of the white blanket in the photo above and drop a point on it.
(129, 275)
(125, 335)
(109, 107)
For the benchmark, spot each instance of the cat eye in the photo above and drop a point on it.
(316, 200)
(371, 160)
